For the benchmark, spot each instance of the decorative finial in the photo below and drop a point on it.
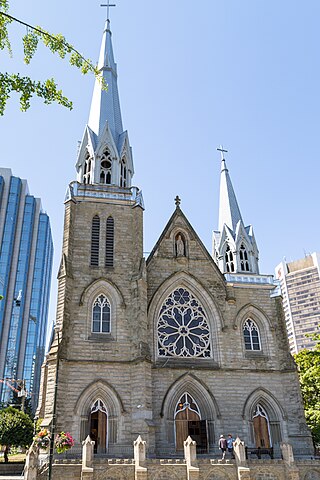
(222, 151)
(108, 5)
(177, 201)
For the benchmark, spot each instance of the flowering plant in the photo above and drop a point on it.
(63, 442)
(42, 439)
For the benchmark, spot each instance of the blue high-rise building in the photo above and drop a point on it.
(26, 252)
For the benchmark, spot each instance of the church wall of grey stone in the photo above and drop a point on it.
(181, 344)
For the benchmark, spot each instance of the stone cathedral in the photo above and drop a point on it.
(182, 345)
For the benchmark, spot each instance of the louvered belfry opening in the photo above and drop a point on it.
(109, 242)
(95, 236)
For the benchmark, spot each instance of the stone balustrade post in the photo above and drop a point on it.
(292, 471)
(190, 455)
(140, 455)
(31, 467)
(287, 453)
(239, 450)
(87, 459)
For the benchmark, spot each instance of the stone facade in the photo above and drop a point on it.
(168, 348)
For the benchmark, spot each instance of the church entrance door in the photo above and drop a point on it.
(261, 428)
(98, 426)
(188, 423)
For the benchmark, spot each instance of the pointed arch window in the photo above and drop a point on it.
(101, 315)
(229, 260)
(123, 173)
(244, 262)
(87, 168)
(105, 168)
(95, 239)
(183, 329)
(251, 335)
(109, 242)
(187, 402)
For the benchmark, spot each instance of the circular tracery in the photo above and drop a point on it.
(183, 329)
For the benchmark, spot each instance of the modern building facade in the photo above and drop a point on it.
(26, 252)
(300, 289)
(181, 344)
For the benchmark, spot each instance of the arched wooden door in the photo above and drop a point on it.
(261, 428)
(99, 426)
(188, 423)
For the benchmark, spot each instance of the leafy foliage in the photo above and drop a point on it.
(16, 428)
(308, 362)
(26, 86)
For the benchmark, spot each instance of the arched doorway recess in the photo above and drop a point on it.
(99, 426)
(188, 423)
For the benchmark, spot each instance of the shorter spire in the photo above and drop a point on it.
(229, 211)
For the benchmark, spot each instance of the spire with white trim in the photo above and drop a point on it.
(229, 212)
(105, 155)
(234, 246)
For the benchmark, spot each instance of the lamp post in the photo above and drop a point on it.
(53, 423)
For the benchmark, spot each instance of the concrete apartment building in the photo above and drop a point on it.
(300, 288)
(26, 251)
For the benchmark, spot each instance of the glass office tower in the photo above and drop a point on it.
(26, 252)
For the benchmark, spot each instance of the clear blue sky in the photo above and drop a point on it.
(192, 75)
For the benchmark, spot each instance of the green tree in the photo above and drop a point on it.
(308, 363)
(26, 86)
(16, 429)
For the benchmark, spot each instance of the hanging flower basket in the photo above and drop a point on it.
(42, 439)
(63, 442)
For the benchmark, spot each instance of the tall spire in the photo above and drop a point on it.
(229, 212)
(105, 105)
(105, 155)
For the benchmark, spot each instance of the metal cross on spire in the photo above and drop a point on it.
(222, 151)
(108, 5)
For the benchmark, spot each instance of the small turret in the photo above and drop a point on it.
(234, 246)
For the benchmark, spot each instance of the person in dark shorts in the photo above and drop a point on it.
(230, 441)
(223, 446)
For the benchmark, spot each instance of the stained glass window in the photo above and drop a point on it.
(183, 329)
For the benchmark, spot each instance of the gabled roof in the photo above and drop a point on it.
(179, 213)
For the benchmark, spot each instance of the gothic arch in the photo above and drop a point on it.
(105, 286)
(185, 279)
(254, 312)
(185, 236)
(197, 389)
(206, 301)
(115, 473)
(267, 400)
(217, 475)
(166, 474)
(312, 475)
(104, 391)
(108, 289)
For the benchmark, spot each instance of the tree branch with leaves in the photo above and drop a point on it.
(27, 87)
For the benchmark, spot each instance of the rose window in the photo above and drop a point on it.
(183, 328)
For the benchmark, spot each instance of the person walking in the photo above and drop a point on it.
(223, 446)
(230, 441)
